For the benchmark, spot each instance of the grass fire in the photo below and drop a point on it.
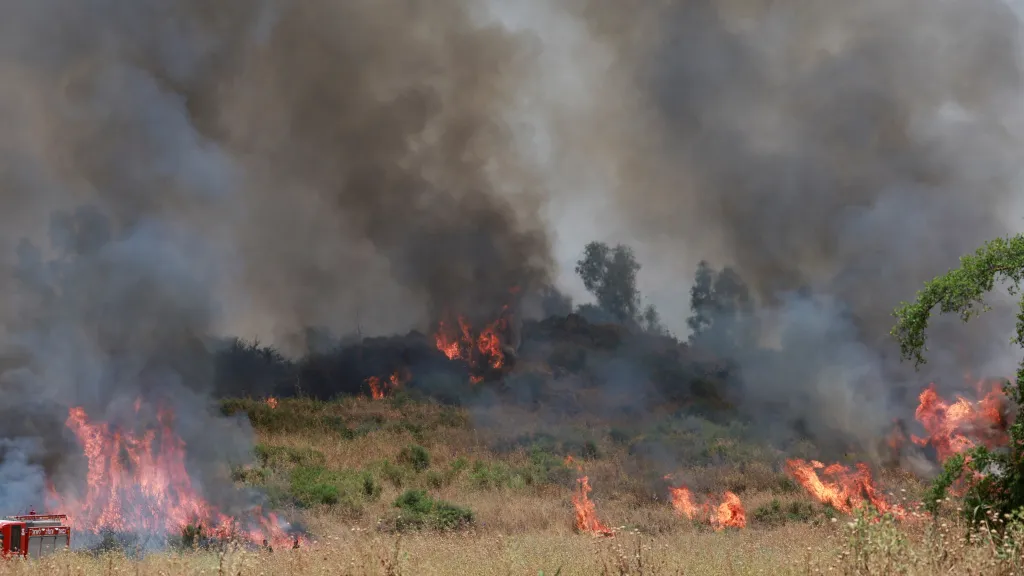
(511, 287)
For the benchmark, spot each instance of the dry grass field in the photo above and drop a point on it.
(340, 468)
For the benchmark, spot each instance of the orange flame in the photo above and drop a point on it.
(376, 388)
(728, 513)
(139, 482)
(586, 512)
(379, 387)
(483, 348)
(682, 501)
(272, 402)
(956, 428)
(839, 486)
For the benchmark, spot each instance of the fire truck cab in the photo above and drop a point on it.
(34, 535)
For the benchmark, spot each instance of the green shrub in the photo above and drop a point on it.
(415, 456)
(458, 465)
(418, 510)
(436, 479)
(295, 415)
(452, 418)
(393, 474)
(774, 513)
(316, 485)
(252, 476)
(278, 457)
(486, 475)
(371, 488)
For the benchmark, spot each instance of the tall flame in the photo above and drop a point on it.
(586, 511)
(954, 428)
(138, 482)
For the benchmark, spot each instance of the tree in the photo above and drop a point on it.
(701, 297)
(610, 275)
(721, 309)
(650, 321)
(961, 291)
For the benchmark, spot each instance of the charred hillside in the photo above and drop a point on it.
(564, 363)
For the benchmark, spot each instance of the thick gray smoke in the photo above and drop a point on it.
(176, 170)
(843, 151)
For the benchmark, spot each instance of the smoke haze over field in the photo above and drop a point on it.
(172, 170)
(845, 151)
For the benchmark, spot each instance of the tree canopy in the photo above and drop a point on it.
(610, 275)
(962, 291)
(722, 309)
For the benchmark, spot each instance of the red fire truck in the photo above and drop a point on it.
(34, 535)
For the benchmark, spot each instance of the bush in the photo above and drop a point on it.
(277, 457)
(486, 475)
(289, 416)
(415, 456)
(316, 485)
(775, 513)
(393, 474)
(452, 418)
(418, 510)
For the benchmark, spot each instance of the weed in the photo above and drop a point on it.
(317, 485)
(775, 513)
(415, 456)
(418, 510)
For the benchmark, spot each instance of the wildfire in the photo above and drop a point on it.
(139, 482)
(839, 486)
(728, 513)
(586, 512)
(958, 427)
(379, 387)
(478, 349)
(272, 402)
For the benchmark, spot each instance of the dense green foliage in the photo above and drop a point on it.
(609, 273)
(419, 510)
(961, 291)
(722, 310)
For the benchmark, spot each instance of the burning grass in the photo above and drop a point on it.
(367, 476)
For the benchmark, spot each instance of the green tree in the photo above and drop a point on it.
(721, 309)
(962, 291)
(701, 296)
(610, 275)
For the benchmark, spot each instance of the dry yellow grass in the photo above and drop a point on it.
(528, 529)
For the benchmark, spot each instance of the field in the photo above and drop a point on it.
(500, 503)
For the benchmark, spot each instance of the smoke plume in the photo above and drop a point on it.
(837, 155)
(172, 171)
(181, 169)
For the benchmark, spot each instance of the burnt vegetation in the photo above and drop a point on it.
(571, 362)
